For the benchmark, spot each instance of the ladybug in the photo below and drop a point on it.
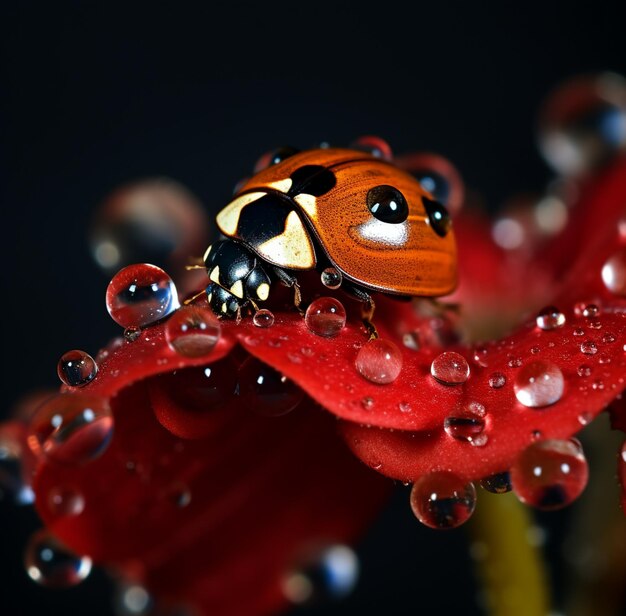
(363, 223)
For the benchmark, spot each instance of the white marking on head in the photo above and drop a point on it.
(228, 219)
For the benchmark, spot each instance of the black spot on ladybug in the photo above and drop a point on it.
(438, 216)
(387, 204)
(313, 180)
(263, 219)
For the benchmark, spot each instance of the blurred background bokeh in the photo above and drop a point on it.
(99, 95)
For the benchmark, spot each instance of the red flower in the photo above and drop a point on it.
(197, 480)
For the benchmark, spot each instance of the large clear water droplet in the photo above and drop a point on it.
(331, 278)
(550, 474)
(614, 273)
(379, 361)
(466, 423)
(71, 428)
(267, 391)
(77, 368)
(328, 573)
(65, 502)
(538, 384)
(442, 500)
(263, 318)
(550, 318)
(192, 331)
(326, 316)
(141, 294)
(450, 368)
(51, 564)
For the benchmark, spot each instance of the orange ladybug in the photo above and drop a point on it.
(363, 223)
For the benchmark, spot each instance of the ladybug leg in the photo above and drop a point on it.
(195, 266)
(367, 310)
(292, 282)
(192, 299)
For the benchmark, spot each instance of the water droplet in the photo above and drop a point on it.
(467, 423)
(584, 370)
(266, 391)
(367, 403)
(179, 495)
(597, 385)
(51, 564)
(549, 474)
(65, 502)
(379, 361)
(156, 220)
(76, 368)
(534, 350)
(581, 137)
(585, 418)
(608, 338)
(132, 600)
(326, 316)
(514, 362)
(603, 358)
(327, 574)
(442, 500)
(614, 273)
(539, 384)
(132, 333)
(404, 407)
(535, 434)
(590, 310)
(589, 347)
(13, 487)
(412, 341)
(480, 356)
(594, 325)
(263, 318)
(450, 368)
(192, 331)
(331, 278)
(497, 380)
(579, 332)
(500, 483)
(141, 294)
(71, 428)
(550, 318)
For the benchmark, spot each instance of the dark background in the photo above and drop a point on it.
(98, 94)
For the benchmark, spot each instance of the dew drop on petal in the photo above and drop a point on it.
(442, 500)
(450, 368)
(367, 403)
(404, 407)
(192, 331)
(467, 423)
(588, 347)
(550, 318)
(326, 317)
(141, 294)
(411, 340)
(585, 418)
(499, 483)
(539, 384)
(584, 370)
(76, 368)
(550, 474)
(590, 310)
(263, 318)
(331, 278)
(51, 564)
(579, 332)
(132, 600)
(330, 573)
(608, 338)
(497, 380)
(266, 391)
(65, 502)
(132, 333)
(71, 428)
(614, 273)
(514, 362)
(379, 361)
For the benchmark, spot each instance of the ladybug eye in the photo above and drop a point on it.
(438, 217)
(387, 204)
(274, 157)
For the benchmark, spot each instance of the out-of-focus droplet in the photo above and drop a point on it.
(13, 487)
(584, 370)
(497, 380)
(71, 428)
(266, 391)
(585, 418)
(590, 310)
(51, 564)
(331, 278)
(263, 318)
(588, 347)
(551, 214)
(497, 484)
(192, 331)
(550, 474)
(508, 233)
(442, 500)
(132, 333)
(583, 123)
(65, 502)
(132, 600)
(76, 368)
(373, 145)
(379, 361)
(550, 318)
(412, 340)
(329, 573)
(608, 338)
(141, 294)
(326, 316)
(614, 273)
(274, 157)
(450, 368)
(539, 384)
(155, 221)
(179, 495)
